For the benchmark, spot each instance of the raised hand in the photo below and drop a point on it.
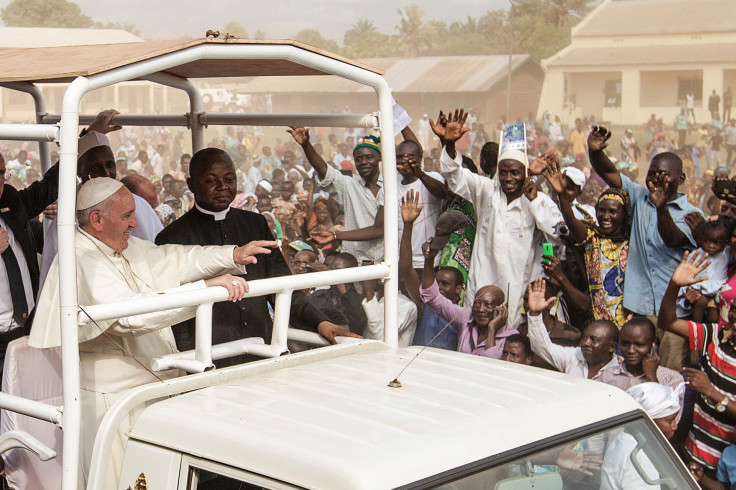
(687, 272)
(410, 208)
(102, 124)
(556, 178)
(300, 134)
(438, 128)
(455, 127)
(650, 364)
(427, 250)
(659, 189)
(598, 137)
(530, 189)
(537, 302)
(543, 162)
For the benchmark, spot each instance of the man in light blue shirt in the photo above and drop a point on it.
(659, 234)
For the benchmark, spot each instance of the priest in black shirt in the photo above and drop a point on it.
(213, 222)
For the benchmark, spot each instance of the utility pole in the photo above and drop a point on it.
(508, 80)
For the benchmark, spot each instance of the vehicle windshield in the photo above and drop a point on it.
(625, 457)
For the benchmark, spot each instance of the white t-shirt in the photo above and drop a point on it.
(424, 226)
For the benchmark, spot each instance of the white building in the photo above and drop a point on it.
(631, 58)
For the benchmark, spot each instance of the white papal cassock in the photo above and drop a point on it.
(113, 353)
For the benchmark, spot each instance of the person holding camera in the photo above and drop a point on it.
(605, 245)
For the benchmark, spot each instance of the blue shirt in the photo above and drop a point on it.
(430, 324)
(726, 472)
(651, 263)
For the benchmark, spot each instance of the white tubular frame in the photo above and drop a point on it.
(368, 121)
(196, 119)
(30, 132)
(129, 119)
(44, 147)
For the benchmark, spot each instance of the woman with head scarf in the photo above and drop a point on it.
(605, 244)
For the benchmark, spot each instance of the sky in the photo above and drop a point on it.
(171, 19)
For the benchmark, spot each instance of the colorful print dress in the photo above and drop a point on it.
(605, 262)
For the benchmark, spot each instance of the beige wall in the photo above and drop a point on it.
(130, 98)
(588, 90)
(659, 88)
(645, 90)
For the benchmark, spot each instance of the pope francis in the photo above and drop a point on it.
(114, 266)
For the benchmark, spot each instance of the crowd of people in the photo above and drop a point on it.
(557, 253)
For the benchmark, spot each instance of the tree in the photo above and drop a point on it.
(413, 36)
(44, 13)
(236, 29)
(559, 13)
(544, 24)
(364, 41)
(314, 38)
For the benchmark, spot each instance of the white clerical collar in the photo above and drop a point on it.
(218, 215)
(102, 246)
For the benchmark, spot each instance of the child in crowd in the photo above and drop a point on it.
(713, 238)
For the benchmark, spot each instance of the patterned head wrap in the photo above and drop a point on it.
(621, 196)
(165, 211)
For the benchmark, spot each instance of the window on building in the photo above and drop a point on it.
(690, 85)
(612, 93)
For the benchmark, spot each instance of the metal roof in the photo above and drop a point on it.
(646, 55)
(334, 422)
(658, 17)
(36, 37)
(430, 74)
(64, 63)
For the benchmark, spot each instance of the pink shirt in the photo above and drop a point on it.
(725, 296)
(461, 319)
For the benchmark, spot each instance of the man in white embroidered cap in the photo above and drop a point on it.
(113, 266)
(513, 218)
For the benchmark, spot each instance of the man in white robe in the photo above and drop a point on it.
(114, 266)
(513, 219)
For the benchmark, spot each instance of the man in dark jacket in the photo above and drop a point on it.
(213, 222)
(19, 265)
